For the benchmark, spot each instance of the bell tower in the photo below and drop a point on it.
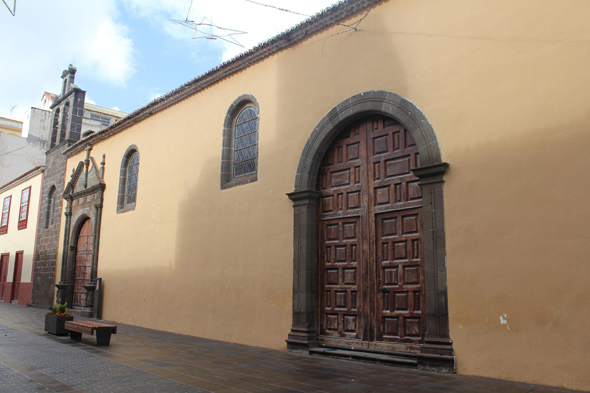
(66, 127)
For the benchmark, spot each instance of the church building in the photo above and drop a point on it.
(396, 180)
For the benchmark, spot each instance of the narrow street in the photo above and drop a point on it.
(145, 360)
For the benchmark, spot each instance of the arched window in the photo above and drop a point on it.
(246, 142)
(64, 122)
(128, 180)
(132, 172)
(55, 128)
(50, 207)
(239, 163)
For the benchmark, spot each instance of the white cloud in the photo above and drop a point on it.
(156, 9)
(89, 100)
(261, 23)
(108, 53)
(154, 95)
(158, 13)
(45, 36)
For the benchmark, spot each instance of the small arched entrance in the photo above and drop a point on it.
(84, 196)
(82, 264)
(421, 335)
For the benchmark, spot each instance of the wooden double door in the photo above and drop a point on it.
(83, 264)
(370, 291)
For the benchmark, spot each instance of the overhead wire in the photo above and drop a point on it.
(12, 151)
(297, 13)
(352, 28)
(13, 10)
(207, 24)
(189, 11)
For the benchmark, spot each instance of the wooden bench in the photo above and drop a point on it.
(103, 331)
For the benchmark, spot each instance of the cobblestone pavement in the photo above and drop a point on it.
(145, 360)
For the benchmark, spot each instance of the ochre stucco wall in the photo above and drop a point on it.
(506, 87)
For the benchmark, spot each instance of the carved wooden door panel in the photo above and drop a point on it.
(397, 201)
(341, 180)
(370, 273)
(83, 264)
(16, 278)
(400, 301)
(3, 276)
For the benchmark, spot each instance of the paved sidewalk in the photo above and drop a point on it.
(144, 360)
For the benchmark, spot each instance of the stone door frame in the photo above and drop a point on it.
(437, 352)
(83, 204)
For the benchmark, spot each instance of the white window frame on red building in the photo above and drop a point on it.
(24, 208)
(5, 219)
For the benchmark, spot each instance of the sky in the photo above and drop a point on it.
(127, 52)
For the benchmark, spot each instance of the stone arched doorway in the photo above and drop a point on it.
(433, 349)
(83, 212)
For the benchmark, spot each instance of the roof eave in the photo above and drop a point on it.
(313, 25)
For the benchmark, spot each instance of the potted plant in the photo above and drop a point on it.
(56, 318)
